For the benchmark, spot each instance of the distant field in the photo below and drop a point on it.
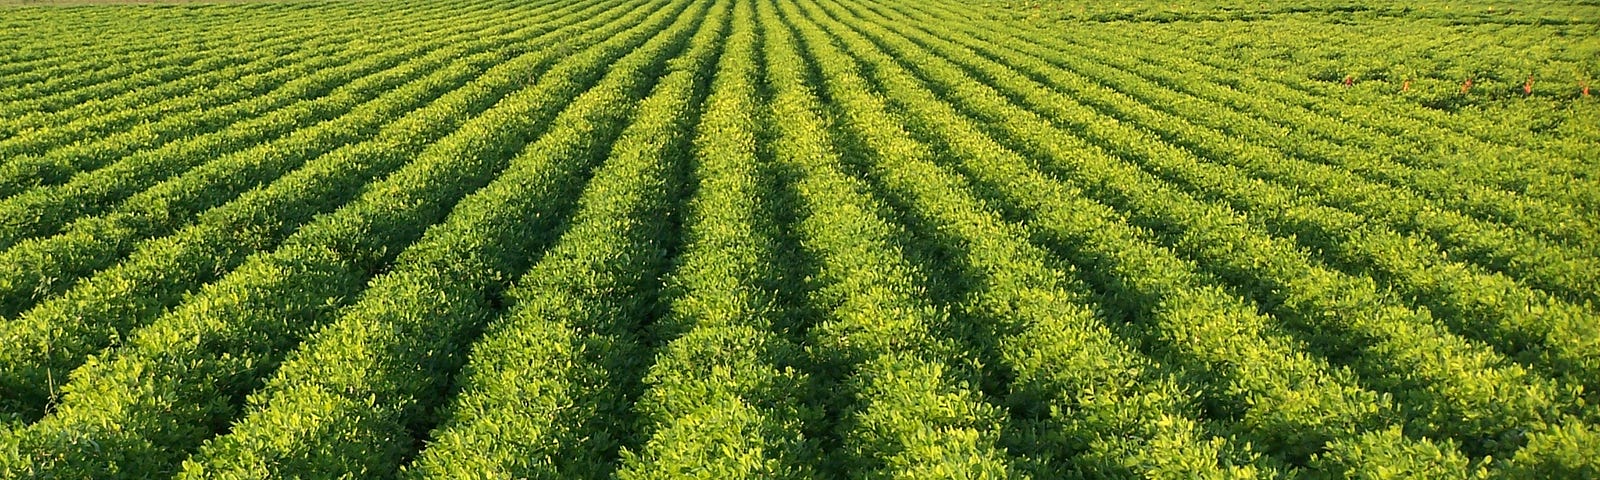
(799, 239)
(75, 3)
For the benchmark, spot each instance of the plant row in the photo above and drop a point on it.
(1446, 387)
(55, 336)
(726, 396)
(546, 389)
(176, 381)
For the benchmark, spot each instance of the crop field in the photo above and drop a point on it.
(727, 239)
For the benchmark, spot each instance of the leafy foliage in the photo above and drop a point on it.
(799, 239)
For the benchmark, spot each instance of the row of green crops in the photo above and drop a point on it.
(796, 239)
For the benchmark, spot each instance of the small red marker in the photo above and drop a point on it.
(1406, 87)
(1349, 80)
(1527, 88)
(1465, 86)
(1585, 88)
